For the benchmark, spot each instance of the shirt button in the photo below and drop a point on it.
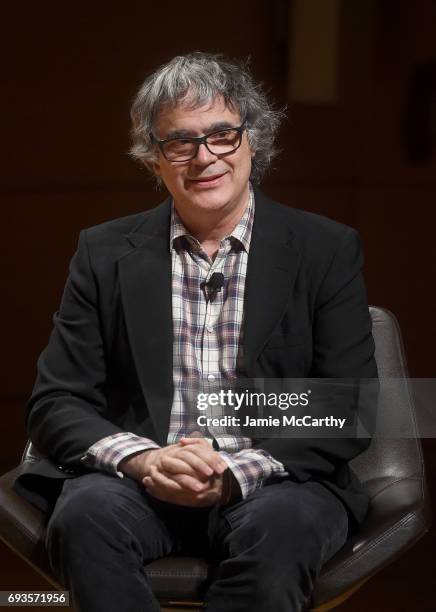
(210, 377)
(209, 328)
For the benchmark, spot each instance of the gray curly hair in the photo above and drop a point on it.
(200, 78)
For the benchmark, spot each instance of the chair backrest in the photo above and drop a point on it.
(385, 460)
(390, 459)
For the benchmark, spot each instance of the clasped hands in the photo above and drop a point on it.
(189, 473)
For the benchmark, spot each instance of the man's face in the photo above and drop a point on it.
(208, 182)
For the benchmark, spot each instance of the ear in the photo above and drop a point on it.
(252, 151)
(156, 168)
(153, 167)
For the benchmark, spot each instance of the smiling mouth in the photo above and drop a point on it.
(207, 179)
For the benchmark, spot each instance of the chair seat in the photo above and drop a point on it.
(396, 520)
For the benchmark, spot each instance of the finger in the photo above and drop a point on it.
(175, 465)
(192, 484)
(209, 456)
(201, 464)
(150, 485)
(183, 497)
(210, 498)
(148, 482)
(156, 491)
(163, 454)
(161, 480)
(196, 466)
(186, 441)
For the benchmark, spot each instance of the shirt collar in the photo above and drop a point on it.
(241, 233)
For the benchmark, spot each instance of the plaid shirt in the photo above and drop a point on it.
(207, 349)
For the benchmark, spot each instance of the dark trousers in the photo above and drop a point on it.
(269, 548)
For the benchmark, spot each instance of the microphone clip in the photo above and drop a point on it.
(212, 286)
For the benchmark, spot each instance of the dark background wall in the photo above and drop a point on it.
(69, 72)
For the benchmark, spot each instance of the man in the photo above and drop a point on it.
(217, 283)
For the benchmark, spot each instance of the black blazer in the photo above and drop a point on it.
(108, 365)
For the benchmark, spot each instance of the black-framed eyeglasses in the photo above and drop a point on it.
(221, 142)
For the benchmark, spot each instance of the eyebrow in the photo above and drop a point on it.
(214, 127)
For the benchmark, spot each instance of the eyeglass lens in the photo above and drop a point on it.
(218, 143)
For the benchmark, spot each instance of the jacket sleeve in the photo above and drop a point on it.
(64, 416)
(343, 347)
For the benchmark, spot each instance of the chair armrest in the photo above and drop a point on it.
(399, 516)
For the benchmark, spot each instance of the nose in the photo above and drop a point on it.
(204, 156)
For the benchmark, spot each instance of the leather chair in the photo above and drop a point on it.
(392, 471)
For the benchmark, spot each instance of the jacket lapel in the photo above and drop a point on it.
(145, 279)
(273, 262)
